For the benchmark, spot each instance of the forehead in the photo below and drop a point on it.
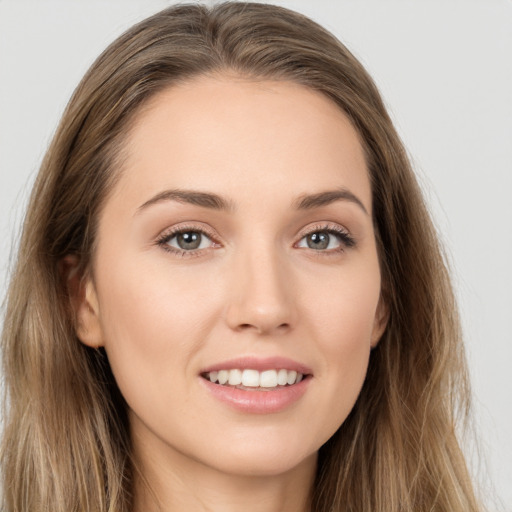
(233, 135)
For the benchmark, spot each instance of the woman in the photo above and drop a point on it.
(229, 293)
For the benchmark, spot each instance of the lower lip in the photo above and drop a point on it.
(258, 402)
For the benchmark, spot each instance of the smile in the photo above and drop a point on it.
(254, 379)
(257, 385)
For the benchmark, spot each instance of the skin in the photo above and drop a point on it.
(254, 288)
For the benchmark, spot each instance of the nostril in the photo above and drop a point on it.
(262, 329)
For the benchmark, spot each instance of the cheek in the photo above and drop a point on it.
(344, 323)
(343, 310)
(152, 325)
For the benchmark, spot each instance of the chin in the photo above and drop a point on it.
(268, 454)
(267, 464)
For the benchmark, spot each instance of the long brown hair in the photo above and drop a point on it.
(66, 445)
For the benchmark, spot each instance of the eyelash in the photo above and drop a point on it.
(346, 240)
(163, 241)
(344, 237)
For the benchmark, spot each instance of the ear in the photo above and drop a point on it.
(83, 301)
(380, 322)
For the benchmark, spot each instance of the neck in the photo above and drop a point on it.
(175, 483)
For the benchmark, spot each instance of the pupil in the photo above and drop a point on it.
(318, 240)
(189, 240)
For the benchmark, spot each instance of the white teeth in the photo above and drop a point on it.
(292, 375)
(268, 379)
(253, 378)
(282, 377)
(235, 377)
(223, 376)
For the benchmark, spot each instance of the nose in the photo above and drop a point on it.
(261, 294)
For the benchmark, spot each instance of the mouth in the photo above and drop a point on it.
(253, 380)
(255, 385)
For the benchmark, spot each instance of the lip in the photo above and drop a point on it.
(260, 364)
(254, 401)
(257, 402)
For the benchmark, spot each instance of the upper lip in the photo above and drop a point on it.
(259, 364)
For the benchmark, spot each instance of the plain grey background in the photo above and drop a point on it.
(444, 68)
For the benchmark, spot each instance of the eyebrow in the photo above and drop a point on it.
(216, 202)
(311, 201)
(195, 197)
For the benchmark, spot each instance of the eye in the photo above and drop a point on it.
(186, 241)
(189, 240)
(326, 239)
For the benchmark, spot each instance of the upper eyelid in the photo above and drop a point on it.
(172, 231)
(324, 226)
(175, 230)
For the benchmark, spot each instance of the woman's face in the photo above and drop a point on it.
(237, 244)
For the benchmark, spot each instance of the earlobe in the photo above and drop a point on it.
(380, 322)
(83, 301)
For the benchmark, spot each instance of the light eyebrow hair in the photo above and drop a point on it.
(195, 197)
(310, 201)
